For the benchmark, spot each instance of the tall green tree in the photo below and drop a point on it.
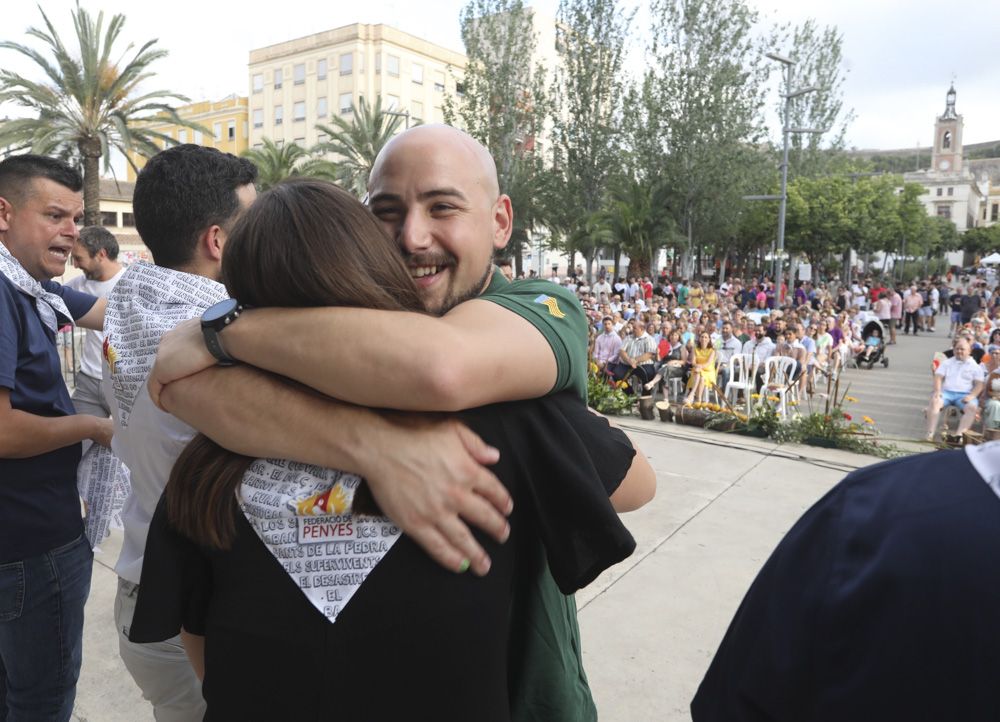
(587, 92)
(700, 106)
(504, 103)
(819, 62)
(276, 162)
(90, 100)
(356, 144)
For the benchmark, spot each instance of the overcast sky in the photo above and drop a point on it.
(900, 55)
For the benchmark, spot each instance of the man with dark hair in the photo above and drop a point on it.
(506, 268)
(96, 254)
(45, 560)
(185, 202)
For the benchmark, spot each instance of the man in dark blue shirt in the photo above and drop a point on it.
(879, 604)
(45, 561)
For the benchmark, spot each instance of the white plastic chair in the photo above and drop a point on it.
(742, 370)
(778, 371)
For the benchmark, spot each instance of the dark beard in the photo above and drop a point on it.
(468, 294)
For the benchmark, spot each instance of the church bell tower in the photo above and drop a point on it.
(947, 155)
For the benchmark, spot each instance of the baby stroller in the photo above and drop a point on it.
(874, 352)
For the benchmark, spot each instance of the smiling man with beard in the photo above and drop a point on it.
(435, 190)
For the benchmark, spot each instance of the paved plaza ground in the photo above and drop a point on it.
(651, 624)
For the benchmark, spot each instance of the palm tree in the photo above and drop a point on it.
(640, 222)
(358, 143)
(276, 162)
(88, 103)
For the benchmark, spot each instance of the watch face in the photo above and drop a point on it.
(944, 165)
(219, 311)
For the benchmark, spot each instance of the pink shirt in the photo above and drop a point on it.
(896, 306)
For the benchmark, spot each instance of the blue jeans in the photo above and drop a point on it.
(41, 632)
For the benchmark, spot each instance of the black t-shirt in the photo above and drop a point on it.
(956, 302)
(970, 304)
(415, 641)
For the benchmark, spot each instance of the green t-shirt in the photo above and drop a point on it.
(558, 315)
(546, 680)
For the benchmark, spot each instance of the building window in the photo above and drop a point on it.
(944, 211)
(951, 191)
(217, 131)
(417, 73)
(946, 139)
(378, 64)
(128, 220)
(439, 81)
(392, 101)
(198, 137)
(182, 136)
(321, 109)
(995, 212)
(345, 102)
(258, 121)
(279, 115)
(109, 218)
(301, 142)
(299, 110)
(460, 90)
(346, 63)
(231, 126)
(417, 111)
(321, 69)
(940, 191)
(258, 83)
(299, 73)
(392, 65)
(277, 78)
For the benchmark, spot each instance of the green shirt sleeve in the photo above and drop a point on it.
(558, 315)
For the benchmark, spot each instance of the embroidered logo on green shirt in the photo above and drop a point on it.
(551, 304)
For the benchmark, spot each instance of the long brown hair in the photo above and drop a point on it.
(303, 243)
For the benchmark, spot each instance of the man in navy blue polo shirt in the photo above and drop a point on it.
(45, 561)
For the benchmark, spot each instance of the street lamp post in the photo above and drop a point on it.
(789, 95)
(405, 114)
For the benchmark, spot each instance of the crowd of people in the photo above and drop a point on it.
(650, 331)
(278, 511)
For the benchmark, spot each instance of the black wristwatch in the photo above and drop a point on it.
(213, 321)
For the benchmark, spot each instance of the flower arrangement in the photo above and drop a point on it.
(606, 395)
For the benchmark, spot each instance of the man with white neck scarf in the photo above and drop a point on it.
(45, 561)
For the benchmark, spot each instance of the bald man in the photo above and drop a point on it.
(435, 190)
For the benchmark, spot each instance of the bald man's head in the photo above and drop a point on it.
(435, 189)
(437, 136)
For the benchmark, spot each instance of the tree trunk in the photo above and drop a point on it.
(638, 266)
(618, 263)
(91, 188)
(588, 263)
(722, 267)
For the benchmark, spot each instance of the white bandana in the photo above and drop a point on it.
(299, 512)
(49, 305)
(147, 302)
(103, 483)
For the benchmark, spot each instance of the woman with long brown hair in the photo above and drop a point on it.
(308, 603)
